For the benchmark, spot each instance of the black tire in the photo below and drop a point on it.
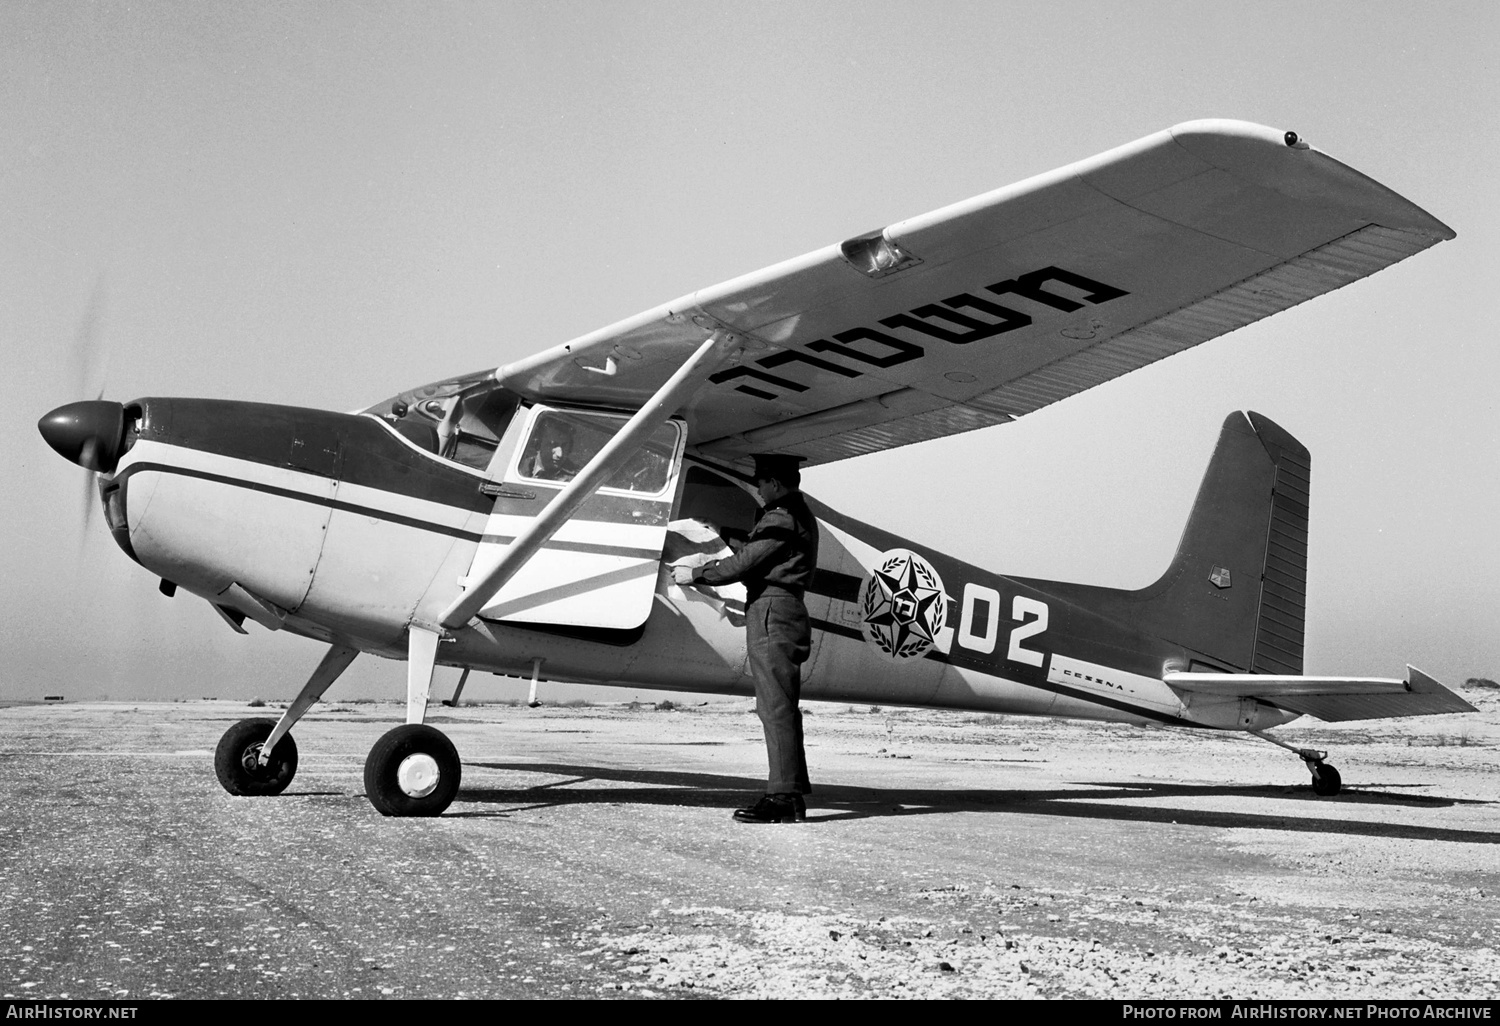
(430, 782)
(237, 760)
(1326, 781)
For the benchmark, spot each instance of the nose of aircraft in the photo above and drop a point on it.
(90, 433)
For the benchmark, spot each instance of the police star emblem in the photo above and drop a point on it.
(904, 604)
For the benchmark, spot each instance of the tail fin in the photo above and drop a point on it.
(1236, 591)
(1235, 595)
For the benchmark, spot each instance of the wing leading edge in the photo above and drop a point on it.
(988, 309)
(1331, 698)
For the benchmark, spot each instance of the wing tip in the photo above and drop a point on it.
(1420, 683)
(1282, 160)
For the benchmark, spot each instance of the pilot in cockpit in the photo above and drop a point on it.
(550, 455)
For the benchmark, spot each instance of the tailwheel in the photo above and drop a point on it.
(413, 770)
(237, 760)
(1325, 779)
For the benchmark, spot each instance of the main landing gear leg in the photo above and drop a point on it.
(1325, 779)
(413, 770)
(259, 756)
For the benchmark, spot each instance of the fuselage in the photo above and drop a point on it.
(349, 528)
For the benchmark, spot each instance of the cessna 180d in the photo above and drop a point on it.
(521, 519)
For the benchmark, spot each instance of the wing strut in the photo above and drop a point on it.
(463, 678)
(679, 388)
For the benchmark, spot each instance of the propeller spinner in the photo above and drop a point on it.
(90, 433)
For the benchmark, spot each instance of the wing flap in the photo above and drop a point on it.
(992, 308)
(1332, 699)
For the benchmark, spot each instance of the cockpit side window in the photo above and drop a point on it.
(562, 442)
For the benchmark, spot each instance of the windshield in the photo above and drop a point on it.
(460, 419)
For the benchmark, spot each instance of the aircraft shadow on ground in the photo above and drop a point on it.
(833, 803)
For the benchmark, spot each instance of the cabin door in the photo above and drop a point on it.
(601, 568)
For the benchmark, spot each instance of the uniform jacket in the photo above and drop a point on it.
(780, 553)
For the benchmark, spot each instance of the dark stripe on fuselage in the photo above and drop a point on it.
(834, 585)
(377, 513)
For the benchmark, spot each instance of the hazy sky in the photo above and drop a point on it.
(323, 203)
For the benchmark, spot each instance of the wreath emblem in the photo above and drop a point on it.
(904, 604)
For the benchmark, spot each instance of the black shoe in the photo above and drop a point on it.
(774, 808)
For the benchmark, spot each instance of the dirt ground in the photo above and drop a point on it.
(590, 852)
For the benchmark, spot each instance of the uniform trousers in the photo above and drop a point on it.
(778, 635)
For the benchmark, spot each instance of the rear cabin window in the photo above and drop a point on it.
(719, 501)
(561, 443)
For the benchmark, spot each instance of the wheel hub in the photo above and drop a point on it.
(251, 758)
(418, 775)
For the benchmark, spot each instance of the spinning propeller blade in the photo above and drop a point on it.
(90, 433)
(90, 348)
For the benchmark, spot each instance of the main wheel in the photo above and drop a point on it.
(237, 759)
(1326, 781)
(413, 770)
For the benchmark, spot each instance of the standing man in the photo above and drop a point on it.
(776, 563)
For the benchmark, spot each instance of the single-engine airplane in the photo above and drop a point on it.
(521, 519)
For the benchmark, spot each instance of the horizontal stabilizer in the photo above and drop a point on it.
(1331, 698)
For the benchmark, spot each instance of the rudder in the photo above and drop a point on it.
(1283, 596)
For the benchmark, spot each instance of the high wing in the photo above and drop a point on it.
(1331, 698)
(986, 310)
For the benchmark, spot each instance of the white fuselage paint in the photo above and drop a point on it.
(189, 526)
